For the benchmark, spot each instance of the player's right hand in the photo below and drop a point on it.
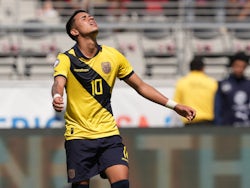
(58, 104)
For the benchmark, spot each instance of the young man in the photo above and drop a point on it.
(233, 95)
(88, 72)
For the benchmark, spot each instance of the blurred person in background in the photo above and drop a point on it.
(154, 6)
(88, 72)
(198, 90)
(47, 12)
(245, 11)
(238, 10)
(232, 101)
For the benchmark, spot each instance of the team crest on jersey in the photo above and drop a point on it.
(106, 67)
(56, 62)
(71, 173)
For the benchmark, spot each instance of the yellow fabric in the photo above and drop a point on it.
(197, 90)
(85, 117)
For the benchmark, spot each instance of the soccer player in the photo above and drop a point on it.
(88, 72)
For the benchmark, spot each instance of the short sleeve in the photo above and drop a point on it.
(125, 68)
(62, 65)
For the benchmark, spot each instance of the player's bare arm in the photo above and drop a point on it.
(154, 95)
(146, 90)
(57, 93)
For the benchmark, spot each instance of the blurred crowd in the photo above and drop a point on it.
(233, 9)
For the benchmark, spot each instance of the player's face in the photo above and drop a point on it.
(238, 68)
(85, 24)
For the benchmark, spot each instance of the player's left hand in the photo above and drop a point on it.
(185, 111)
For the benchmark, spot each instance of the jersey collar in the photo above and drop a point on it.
(79, 54)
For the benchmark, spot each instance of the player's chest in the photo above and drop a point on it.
(102, 66)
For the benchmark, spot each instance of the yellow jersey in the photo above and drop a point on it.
(88, 87)
(197, 89)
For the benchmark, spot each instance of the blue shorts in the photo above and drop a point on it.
(89, 157)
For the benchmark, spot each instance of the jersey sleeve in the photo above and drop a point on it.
(62, 65)
(125, 68)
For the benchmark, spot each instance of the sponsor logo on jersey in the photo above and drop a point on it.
(81, 70)
(71, 173)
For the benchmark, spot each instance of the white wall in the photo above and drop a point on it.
(27, 104)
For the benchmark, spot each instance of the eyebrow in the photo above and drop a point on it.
(85, 16)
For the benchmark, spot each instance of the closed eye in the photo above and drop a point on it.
(84, 17)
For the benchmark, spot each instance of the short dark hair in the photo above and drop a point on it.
(196, 64)
(238, 56)
(70, 23)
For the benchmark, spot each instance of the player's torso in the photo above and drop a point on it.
(89, 86)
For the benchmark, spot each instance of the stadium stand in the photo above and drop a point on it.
(212, 44)
(36, 45)
(8, 68)
(159, 51)
(159, 40)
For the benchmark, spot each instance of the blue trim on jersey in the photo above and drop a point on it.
(60, 75)
(130, 74)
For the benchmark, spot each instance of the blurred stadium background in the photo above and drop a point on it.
(159, 38)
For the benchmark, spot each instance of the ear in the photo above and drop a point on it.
(74, 32)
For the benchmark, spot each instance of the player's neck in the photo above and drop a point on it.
(88, 48)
